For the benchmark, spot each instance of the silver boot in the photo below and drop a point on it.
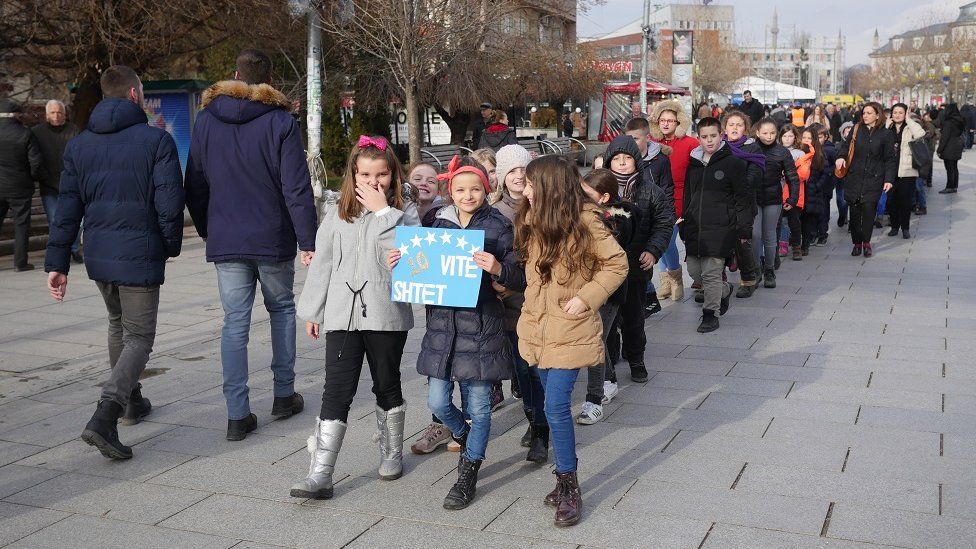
(324, 446)
(389, 426)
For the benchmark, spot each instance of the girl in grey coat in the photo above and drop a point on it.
(347, 296)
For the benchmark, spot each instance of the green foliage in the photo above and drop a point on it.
(545, 117)
(335, 145)
(369, 122)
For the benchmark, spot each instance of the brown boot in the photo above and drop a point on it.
(570, 506)
(664, 288)
(677, 284)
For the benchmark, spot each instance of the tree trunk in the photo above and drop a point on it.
(87, 95)
(458, 123)
(415, 128)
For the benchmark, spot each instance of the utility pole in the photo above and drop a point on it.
(645, 45)
(313, 95)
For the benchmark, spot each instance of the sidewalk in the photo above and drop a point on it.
(837, 410)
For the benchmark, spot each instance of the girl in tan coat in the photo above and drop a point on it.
(572, 266)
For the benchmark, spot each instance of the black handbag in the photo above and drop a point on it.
(921, 156)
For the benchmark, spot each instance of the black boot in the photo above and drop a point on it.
(462, 493)
(893, 231)
(288, 406)
(709, 322)
(102, 432)
(137, 408)
(527, 437)
(724, 305)
(539, 445)
(746, 291)
(237, 429)
(638, 373)
(769, 280)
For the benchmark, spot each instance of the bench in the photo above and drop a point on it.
(569, 147)
(441, 155)
(537, 148)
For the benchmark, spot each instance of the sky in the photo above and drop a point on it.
(856, 19)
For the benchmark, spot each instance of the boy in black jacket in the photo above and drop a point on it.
(717, 215)
(652, 237)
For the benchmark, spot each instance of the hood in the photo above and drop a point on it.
(114, 115)
(497, 127)
(699, 153)
(495, 139)
(621, 209)
(653, 149)
(236, 102)
(684, 120)
(622, 144)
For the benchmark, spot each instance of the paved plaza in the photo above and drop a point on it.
(837, 410)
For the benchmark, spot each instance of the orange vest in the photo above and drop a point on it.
(799, 117)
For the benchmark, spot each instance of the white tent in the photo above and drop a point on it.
(769, 92)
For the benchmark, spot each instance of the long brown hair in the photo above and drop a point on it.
(876, 107)
(814, 131)
(349, 207)
(553, 225)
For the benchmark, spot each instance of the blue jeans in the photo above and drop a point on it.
(50, 203)
(533, 397)
(558, 385)
(920, 193)
(670, 260)
(236, 281)
(841, 203)
(476, 399)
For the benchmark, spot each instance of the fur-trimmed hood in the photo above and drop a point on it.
(684, 121)
(236, 102)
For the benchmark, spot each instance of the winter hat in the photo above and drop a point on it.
(508, 158)
(622, 144)
(844, 126)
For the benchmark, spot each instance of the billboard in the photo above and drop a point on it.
(170, 111)
(682, 47)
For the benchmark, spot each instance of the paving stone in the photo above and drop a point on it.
(86, 531)
(693, 420)
(271, 522)
(727, 536)
(795, 373)
(868, 396)
(739, 405)
(12, 451)
(794, 453)
(959, 500)
(77, 456)
(18, 521)
(786, 358)
(790, 514)
(110, 498)
(211, 442)
(15, 478)
(916, 420)
(402, 533)
(759, 387)
(909, 444)
(531, 519)
(902, 528)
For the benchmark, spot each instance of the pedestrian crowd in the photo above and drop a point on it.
(565, 269)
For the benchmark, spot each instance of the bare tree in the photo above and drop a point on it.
(716, 66)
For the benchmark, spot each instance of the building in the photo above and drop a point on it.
(547, 22)
(802, 60)
(930, 65)
(621, 48)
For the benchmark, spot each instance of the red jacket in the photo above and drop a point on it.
(680, 157)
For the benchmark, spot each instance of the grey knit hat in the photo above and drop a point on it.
(508, 158)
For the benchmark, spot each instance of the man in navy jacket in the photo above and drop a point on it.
(123, 176)
(249, 193)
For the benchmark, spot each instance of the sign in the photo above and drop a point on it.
(171, 112)
(682, 47)
(436, 130)
(437, 267)
(967, 67)
(615, 66)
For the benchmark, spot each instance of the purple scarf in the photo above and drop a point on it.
(756, 158)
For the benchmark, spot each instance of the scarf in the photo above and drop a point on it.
(803, 165)
(626, 184)
(756, 158)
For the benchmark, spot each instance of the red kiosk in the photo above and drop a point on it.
(619, 99)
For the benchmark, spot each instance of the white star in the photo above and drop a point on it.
(461, 242)
(403, 249)
(416, 241)
(445, 237)
(430, 238)
(474, 249)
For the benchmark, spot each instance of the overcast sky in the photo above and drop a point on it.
(856, 19)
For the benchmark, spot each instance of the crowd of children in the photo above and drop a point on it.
(566, 270)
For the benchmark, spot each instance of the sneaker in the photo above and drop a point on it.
(497, 397)
(922, 211)
(77, 257)
(435, 436)
(610, 390)
(24, 268)
(821, 242)
(699, 296)
(653, 306)
(591, 414)
(893, 231)
(784, 249)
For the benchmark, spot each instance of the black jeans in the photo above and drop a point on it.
(952, 173)
(746, 258)
(20, 212)
(901, 198)
(810, 227)
(382, 350)
(793, 217)
(632, 320)
(132, 312)
(862, 220)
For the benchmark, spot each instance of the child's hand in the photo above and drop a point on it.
(371, 198)
(647, 261)
(488, 263)
(392, 258)
(575, 306)
(312, 330)
(498, 287)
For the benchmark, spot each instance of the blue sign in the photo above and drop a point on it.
(170, 111)
(437, 266)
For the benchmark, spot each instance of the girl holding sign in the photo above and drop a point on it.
(572, 267)
(469, 346)
(347, 296)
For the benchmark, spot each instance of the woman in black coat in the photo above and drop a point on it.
(950, 145)
(873, 168)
